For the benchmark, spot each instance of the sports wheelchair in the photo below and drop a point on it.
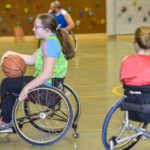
(46, 115)
(126, 122)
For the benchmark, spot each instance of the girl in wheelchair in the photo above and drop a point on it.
(126, 121)
(135, 76)
(50, 60)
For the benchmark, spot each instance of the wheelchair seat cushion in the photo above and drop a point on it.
(137, 103)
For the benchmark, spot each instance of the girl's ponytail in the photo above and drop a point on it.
(64, 40)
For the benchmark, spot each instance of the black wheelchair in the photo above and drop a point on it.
(46, 115)
(126, 122)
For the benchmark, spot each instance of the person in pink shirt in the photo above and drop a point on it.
(135, 77)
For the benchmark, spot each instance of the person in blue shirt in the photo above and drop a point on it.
(62, 17)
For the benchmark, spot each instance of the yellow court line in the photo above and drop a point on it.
(115, 90)
(99, 96)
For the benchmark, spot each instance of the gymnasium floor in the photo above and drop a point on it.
(94, 74)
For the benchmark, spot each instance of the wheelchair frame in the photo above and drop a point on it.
(17, 124)
(112, 142)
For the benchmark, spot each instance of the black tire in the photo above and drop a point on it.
(111, 128)
(74, 100)
(49, 117)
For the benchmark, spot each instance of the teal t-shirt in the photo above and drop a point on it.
(51, 48)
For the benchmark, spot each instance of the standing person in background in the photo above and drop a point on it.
(62, 16)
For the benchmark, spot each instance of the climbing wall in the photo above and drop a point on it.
(131, 14)
(89, 16)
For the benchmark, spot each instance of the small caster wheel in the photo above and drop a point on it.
(76, 135)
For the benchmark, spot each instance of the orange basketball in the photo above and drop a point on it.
(13, 66)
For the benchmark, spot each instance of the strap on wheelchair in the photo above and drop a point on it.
(136, 89)
(141, 108)
(137, 99)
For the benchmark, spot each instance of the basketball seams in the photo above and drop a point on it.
(13, 66)
(16, 65)
(7, 70)
(10, 68)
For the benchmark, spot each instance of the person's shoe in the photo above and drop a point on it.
(8, 130)
(3, 127)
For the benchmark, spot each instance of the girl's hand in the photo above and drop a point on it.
(24, 93)
(6, 55)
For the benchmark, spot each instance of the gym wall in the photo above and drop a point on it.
(124, 16)
(88, 15)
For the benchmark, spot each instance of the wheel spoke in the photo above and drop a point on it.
(39, 122)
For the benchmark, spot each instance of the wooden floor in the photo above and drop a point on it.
(94, 74)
